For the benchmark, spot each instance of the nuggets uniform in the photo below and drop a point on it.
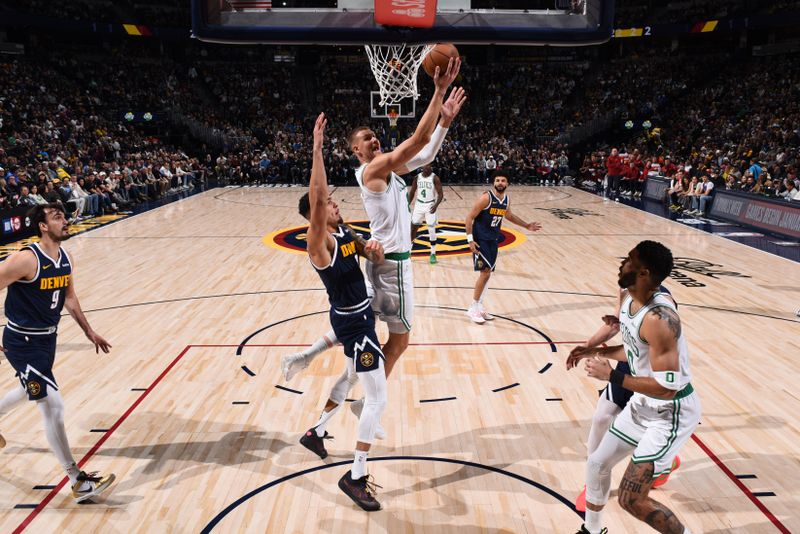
(351, 317)
(486, 232)
(393, 280)
(657, 428)
(616, 393)
(426, 196)
(33, 310)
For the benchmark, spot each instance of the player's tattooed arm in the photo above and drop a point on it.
(372, 250)
(670, 317)
(633, 497)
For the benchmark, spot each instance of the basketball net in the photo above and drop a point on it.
(395, 68)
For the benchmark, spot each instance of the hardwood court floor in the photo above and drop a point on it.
(196, 441)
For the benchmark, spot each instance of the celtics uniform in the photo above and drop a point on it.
(393, 280)
(426, 197)
(656, 428)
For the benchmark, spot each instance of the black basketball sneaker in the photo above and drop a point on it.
(314, 443)
(361, 491)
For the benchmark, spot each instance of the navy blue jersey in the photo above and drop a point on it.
(486, 226)
(343, 278)
(36, 304)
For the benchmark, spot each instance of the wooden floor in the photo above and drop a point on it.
(197, 442)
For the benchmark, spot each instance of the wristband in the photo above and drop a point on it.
(616, 377)
(469, 238)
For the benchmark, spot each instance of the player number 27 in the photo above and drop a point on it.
(496, 220)
(54, 304)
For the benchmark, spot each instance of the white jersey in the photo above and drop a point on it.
(389, 213)
(426, 192)
(638, 350)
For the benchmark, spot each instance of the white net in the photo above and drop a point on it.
(395, 68)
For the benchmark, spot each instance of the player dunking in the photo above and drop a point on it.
(386, 204)
(663, 411)
(39, 279)
(333, 249)
(483, 235)
(613, 398)
(427, 193)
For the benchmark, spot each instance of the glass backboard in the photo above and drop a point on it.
(525, 22)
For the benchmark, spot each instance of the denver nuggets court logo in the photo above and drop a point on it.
(367, 359)
(34, 387)
(451, 239)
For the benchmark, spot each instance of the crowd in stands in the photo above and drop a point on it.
(740, 130)
(60, 121)
(57, 144)
(93, 10)
(263, 107)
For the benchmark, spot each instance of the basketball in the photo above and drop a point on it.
(439, 56)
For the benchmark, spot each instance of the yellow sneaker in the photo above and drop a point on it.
(90, 485)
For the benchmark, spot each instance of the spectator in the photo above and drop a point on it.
(614, 173)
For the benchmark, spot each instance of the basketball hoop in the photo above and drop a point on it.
(393, 116)
(395, 68)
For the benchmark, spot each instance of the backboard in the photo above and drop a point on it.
(525, 22)
(405, 108)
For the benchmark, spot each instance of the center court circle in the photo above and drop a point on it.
(451, 238)
(244, 498)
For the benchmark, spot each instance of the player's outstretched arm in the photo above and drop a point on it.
(533, 227)
(73, 306)
(479, 205)
(450, 109)
(317, 236)
(383, 164)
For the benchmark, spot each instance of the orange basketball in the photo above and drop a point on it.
(439, 56)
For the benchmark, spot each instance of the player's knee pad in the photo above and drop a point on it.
(598, 463)
(375, 388)
(375, 396)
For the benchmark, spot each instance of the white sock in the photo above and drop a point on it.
(686, 530)
(593, 521)
(433, 247)
(12, 398)
(324, 419)
(359, 465)
(321, 345)
(72, 472)
(475, 304)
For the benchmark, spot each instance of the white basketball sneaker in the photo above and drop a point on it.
(486, 315)
(293, 364)
(357, 407)
(475, 315)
